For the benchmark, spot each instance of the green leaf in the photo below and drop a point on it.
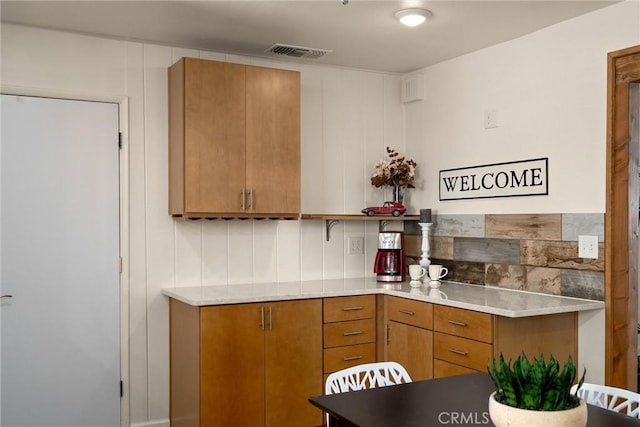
(536, 385)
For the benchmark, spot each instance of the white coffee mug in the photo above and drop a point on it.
(437, 272)
(416, 272)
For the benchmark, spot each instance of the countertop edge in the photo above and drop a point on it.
(181, 294)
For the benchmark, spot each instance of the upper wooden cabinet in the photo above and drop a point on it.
(234, 140)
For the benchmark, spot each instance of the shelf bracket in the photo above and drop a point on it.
(329, 223)
(382, 225)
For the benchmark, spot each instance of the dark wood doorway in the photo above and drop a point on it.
(621, 219)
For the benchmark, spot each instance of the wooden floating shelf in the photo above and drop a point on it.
(361, 217)
(331, 219)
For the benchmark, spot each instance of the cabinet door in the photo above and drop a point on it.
(273, 140)
(294, 363)
(412, 347)
(214, 136)
(232, 377)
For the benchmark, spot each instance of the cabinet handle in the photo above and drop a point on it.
(270, 319)
(348, 359)
(454, 322)
(6, 296)
(405, 311)
(460, 352)
(251, 199)
(262, 318)
(243, 197)
(352, 308)
(349, 334)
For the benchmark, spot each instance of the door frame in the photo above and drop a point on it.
(123, 166)
(621, 222)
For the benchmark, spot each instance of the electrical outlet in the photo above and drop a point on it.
(355, 245)
(588, 247)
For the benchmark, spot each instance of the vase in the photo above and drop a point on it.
(397, 193)
(503, 415)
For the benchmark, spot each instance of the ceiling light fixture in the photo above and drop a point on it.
(413, 17)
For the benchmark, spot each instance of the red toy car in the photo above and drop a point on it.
(387, 208)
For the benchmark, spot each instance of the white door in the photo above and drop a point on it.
(59, 233)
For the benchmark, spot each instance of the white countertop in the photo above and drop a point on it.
(486, 299)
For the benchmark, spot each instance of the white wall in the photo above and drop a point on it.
(348, 117)
(549, 89)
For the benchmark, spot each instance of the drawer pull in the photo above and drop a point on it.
(460, 352)
(350, 334)
(353, 308)
(405, 311)
(348, 359)
(455, 322)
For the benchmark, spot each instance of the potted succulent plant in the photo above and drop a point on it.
(530, 394)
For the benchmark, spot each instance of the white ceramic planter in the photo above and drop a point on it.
(508, 416)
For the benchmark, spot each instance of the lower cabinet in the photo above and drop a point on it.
(349, 332)
(466, 341)
(257, 364)
(246, 364)
(433, 340)
(410, 336)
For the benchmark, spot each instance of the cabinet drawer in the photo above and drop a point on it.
(340, 309)
(461, 351)
(463, 323)
(349, 333)
(416, 313)
(446, 369)
(339, 358)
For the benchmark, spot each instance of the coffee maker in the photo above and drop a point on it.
(389, 263)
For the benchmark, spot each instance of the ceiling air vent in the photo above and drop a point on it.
(296, 51)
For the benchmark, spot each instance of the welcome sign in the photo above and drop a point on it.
(519, 178)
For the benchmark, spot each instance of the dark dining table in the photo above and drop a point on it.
(461, 400)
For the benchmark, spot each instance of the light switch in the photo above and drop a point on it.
(491, 119)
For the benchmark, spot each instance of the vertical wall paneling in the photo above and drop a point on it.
(312, 240)
(354, 265)
(312, 136)
(178, 53)
(288, 251)
(240, 252)
(213, 56)
(188, 253)
(215, 246)
(125, 256)
(353, 141)
(160, 226)
(138, 344)
(370, 246)
(334, 249)
(333, 157)
(374, 135)
(265, 245)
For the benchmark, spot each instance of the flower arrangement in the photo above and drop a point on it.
(397, 171)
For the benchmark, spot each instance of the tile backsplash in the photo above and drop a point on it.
(532, 252)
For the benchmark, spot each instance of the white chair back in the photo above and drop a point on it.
(368, 375)
(612, 398)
